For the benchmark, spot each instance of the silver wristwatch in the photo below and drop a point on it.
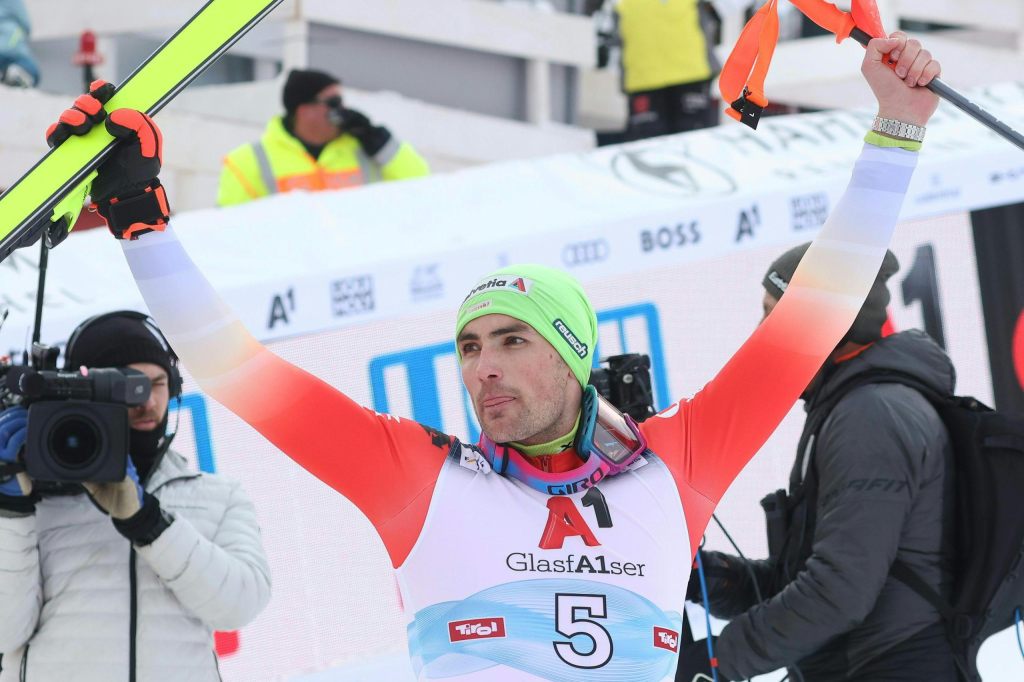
(894, 128)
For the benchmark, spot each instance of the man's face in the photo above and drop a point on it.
(317, 114)
(147, 416)
(522, 390)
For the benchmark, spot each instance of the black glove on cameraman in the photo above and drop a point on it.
(371, 138)
(126, 192)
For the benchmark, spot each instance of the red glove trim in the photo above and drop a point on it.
(126, 122)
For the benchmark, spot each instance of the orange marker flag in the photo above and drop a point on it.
(742, 79)
(865, 14)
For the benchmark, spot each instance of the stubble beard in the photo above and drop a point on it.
(527, 425)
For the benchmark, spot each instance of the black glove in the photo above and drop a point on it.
(126, 192)
(146, 525)
(371, 138)
(720, 573)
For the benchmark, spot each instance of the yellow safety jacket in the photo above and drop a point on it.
(663, 44)
(279, 163)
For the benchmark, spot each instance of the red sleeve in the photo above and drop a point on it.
(387, 466)
(707, 440)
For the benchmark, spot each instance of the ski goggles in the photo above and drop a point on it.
(608, 442)
(608, 433)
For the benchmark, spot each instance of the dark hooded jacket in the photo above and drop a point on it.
(880, 460)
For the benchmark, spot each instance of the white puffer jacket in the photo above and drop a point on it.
(72, 589)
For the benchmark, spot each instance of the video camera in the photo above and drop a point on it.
(625, 382)
(78, 424)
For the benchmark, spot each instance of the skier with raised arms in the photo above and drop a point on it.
(578, 568)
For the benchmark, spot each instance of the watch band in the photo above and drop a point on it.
(899, 129)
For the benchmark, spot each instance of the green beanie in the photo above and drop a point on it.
(549, 300)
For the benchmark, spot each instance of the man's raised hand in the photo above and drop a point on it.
(126, 192)
(898, 69)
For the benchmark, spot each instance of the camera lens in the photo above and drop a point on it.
(74, 442)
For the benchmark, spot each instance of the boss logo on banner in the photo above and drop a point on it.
(670, 237)
(586, 252)
(808, 211)
(426, 283)
(352, 295)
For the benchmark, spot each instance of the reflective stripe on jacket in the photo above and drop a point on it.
(278, 162)
(663, 44)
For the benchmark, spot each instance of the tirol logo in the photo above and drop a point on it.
(514, 283)
(666, 639)
(477, 628)
(570, 337)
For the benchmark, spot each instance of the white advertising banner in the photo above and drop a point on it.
(670, 237)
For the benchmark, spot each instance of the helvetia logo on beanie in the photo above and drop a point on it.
(514, 283)
(571, 338)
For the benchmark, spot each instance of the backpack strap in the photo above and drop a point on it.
(957, 625)
(906, 575)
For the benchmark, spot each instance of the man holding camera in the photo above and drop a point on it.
(124, 580)
(318, 144)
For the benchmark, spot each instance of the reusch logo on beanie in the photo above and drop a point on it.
(570, 338)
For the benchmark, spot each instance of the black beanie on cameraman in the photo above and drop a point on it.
(867, 328)
(302, 86)
(117, 342)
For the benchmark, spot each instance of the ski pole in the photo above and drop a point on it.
(959, 101)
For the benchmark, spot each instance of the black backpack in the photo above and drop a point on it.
(988, 561)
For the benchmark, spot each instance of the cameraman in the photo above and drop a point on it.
(128, 580)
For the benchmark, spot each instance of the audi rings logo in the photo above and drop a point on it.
(585, 253)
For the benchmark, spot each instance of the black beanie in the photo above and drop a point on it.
(302, 87)
(116, 342)
(868, 325)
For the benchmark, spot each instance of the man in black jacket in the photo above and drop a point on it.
(869, 485)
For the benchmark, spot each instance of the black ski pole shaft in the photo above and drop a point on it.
(960, 102)
(44, 257)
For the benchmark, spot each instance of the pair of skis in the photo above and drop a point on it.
(27, 206)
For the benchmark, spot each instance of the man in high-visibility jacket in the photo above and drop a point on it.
(318, 144)
(667, 65)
